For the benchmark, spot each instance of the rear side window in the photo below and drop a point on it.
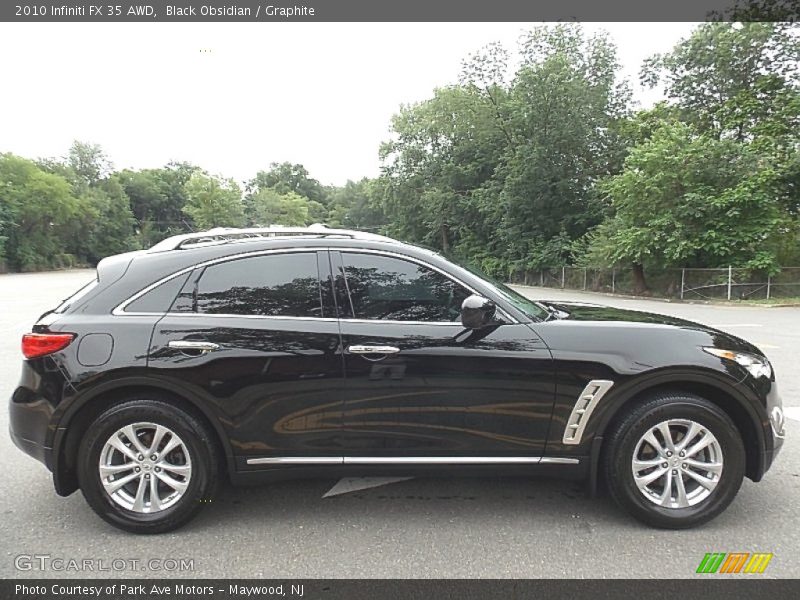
(275, 285)
(159, 299)
(387, 288)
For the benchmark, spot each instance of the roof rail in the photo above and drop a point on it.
(224, 235)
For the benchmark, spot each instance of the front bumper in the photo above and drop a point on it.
(776, 429)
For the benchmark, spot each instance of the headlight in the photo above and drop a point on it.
(757, 366)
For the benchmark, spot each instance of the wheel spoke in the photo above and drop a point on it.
(651, 439)
(646, 480)
(157, 437)
(694, 429)
(118, 444)
(177, 469)
(704, 442)
(130, 433)
(641, 465)
(683, 502)
(138, 502)
(667, 434)
(178, 486)
(155, 501)
(706, 482)
(117, 484)
(174, 442)
(666, 495)
(106, 470)
(711, 467)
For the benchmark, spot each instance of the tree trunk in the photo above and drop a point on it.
(445, 240)
(639, 284)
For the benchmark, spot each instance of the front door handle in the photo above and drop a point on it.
(373, 349)
(193, 348)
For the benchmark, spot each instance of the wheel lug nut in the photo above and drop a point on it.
(674, 471)
(153, 457)
(682, 454)
(685, 466)
(147, 476)
(141, 457)
(158, 469)
(664, 465)
(669, 453)
(137, 469)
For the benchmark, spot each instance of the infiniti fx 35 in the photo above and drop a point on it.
(258, 354)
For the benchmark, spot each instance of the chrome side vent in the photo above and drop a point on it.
(583, 408)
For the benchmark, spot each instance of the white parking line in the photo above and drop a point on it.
(792, 412)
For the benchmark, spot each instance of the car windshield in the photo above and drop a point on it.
(532, 309)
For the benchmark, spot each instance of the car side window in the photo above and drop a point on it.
(159, 299)
(388, 288)
(274, 285)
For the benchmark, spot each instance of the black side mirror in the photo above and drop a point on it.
(477, 312)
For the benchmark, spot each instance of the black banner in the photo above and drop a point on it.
(348, 589)
(405, 10)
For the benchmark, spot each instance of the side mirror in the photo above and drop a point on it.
(477, 312)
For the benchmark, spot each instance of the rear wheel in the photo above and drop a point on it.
(147, 466)
(675, 461)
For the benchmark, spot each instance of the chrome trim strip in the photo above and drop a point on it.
(557, 460)
(584, 405)
(440, 460)
(410, 460)
(119, 310)
(296, 460)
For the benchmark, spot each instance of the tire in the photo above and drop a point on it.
(192, 466)
(654, 505)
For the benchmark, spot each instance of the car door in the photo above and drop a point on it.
(256, 340)
(419, 387)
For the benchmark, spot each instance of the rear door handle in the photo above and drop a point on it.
(373, 349)
(188, 346)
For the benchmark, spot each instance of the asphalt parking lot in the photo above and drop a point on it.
(419, 528)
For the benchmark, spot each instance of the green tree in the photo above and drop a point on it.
(269, 207)
(40, 210)
(504, 170)
(358, 205)
(286, 177)
(213, 202)
(157, 198)
(736, 80)
(686, 199)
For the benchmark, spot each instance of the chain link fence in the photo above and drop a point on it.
(686, 284)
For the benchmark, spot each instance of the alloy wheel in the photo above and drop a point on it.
(145, 467)
(677, 463)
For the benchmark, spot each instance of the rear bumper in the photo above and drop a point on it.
(30, 447)
(30, 412)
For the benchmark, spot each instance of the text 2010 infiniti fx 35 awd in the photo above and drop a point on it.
(259, 354)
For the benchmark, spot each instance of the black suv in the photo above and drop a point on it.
(256, 354)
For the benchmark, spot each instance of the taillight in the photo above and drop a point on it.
(35, 345)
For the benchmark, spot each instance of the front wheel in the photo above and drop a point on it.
(675, 461)
(147, 466)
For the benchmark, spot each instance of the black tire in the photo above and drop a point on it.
(197, 439)
(625, 435)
